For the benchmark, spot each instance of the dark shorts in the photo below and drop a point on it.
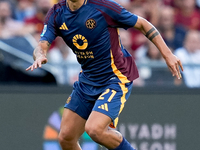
(109, 99)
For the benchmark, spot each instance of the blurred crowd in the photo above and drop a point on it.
(178, 21)
(26, 17)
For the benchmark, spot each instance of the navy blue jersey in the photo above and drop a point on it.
(92, 33)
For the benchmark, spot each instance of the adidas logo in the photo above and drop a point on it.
(63, 27)
(104, 107)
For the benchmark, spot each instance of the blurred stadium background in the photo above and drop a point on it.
(162, 112)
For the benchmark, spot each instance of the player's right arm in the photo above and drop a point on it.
(48, 36)
(39, 55)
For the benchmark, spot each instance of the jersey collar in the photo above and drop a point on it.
(67, 6)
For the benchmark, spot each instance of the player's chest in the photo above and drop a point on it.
(85, 23)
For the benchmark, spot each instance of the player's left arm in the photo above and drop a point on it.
(154, 36)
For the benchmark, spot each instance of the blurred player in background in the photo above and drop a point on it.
(90, 29)
(34, 24)
(8, 26)
(189, 53)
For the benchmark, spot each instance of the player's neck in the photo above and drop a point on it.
(74, 4)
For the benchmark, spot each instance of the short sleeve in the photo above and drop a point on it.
(49, 31)
(126, 19)
(121, 17)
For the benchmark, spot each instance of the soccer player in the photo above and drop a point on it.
(90, 29)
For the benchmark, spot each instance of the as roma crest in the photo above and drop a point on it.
(90, 23)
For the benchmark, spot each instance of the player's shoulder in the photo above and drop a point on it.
(55, 9)
(59, 6)
(106, 5)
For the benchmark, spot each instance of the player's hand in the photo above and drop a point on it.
(173, 64)
(37, 63)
